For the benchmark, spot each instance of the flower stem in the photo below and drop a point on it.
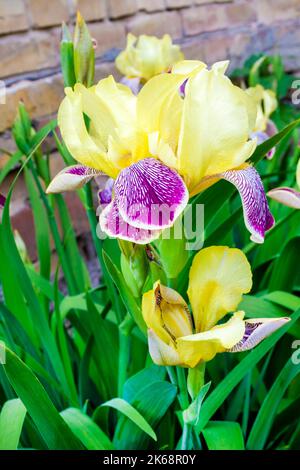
(183, 393)
(186, 436)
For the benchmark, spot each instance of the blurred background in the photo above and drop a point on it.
(207, 30)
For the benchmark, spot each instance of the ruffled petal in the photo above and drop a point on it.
(72, 178)
(203, 347)
(257, 216)
(150, 195)
(219, 276)
(256, 330)
(112, 223)
(286, 196)
(217, 120)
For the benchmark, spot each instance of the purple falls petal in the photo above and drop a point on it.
(256, 330)
(114, 226)
(105, 195)
(286, 196)
(257, 216)
(72, 178)
(2, 201)
(150, 195)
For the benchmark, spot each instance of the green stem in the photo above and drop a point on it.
(124, 351)
(183, 393)
(186, 436)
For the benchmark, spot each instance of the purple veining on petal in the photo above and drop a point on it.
(72, 178)
(114, 226)
(105, 195)
(257, 216)
(287, 196)
(150, 195)
(2, 201)
(182, 88)
(257, 330)
(80, 170)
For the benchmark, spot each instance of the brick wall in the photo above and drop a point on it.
(209, 30)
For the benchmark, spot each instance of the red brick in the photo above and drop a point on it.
(119, 8)
(91, 10)
(179, 3)
(157, 24)
(214, 17)
(48, 12)
(108, 35)
(153, 5)
(277, 10)
(13, 16)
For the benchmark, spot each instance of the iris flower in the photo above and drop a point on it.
(183, 132)
(288, 196)
(145, 57)
(2, 201)
(218, 278)
(266, 104)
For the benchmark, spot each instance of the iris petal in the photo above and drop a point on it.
(219, 276)
(72, 178)
(150, 195)
(2, 201)
(161, 353)
(286, 196)
(112, 223)
(256, 330)
(258, 218)
(204, 346)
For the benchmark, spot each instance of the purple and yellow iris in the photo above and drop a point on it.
(184, 131)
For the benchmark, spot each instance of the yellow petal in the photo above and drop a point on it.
(218, 118)
(219, 276)
(166, 313)
(187, 67)
(159, 112)
(266, 103)
(76, 137)
(203, 347)
(161, 353)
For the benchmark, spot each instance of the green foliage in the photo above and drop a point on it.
(78, 373)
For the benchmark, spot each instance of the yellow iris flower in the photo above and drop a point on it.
(266, 102)
(147, 56)
(191, 125)
(204, 134)
(218, 278)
